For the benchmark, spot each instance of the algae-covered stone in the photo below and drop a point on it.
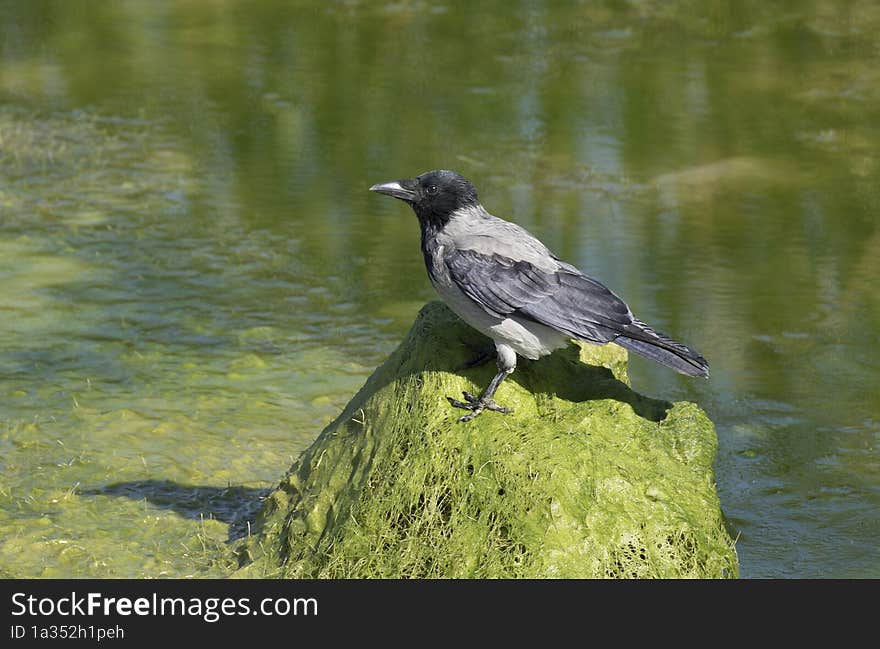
(585, 479)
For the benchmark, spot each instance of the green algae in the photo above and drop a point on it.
(586, 478)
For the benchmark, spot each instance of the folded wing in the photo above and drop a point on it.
(566, 300)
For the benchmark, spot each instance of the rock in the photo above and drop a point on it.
(586, 478)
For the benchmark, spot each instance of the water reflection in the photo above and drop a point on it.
(195, 276)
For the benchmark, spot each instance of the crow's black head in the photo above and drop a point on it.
(433, 196)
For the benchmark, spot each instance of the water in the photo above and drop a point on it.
(194, 279)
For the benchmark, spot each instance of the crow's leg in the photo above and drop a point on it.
(476, 405)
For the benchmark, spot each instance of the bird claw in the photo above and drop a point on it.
(476, 405)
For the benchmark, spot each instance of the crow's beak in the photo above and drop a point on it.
(405, 190)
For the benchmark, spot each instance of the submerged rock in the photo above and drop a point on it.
(586, 478)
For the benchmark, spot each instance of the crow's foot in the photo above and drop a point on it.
(476, 405)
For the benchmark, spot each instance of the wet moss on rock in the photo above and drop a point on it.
(587, 478)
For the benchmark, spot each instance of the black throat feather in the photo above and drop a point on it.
(430, 225)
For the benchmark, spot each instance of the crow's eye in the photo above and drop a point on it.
(432, 190)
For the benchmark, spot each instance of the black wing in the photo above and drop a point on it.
(565, 300)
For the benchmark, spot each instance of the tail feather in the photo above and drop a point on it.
(661, 348)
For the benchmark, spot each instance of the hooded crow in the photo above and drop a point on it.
(506, 284)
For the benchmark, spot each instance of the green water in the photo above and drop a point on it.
(194, 278)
